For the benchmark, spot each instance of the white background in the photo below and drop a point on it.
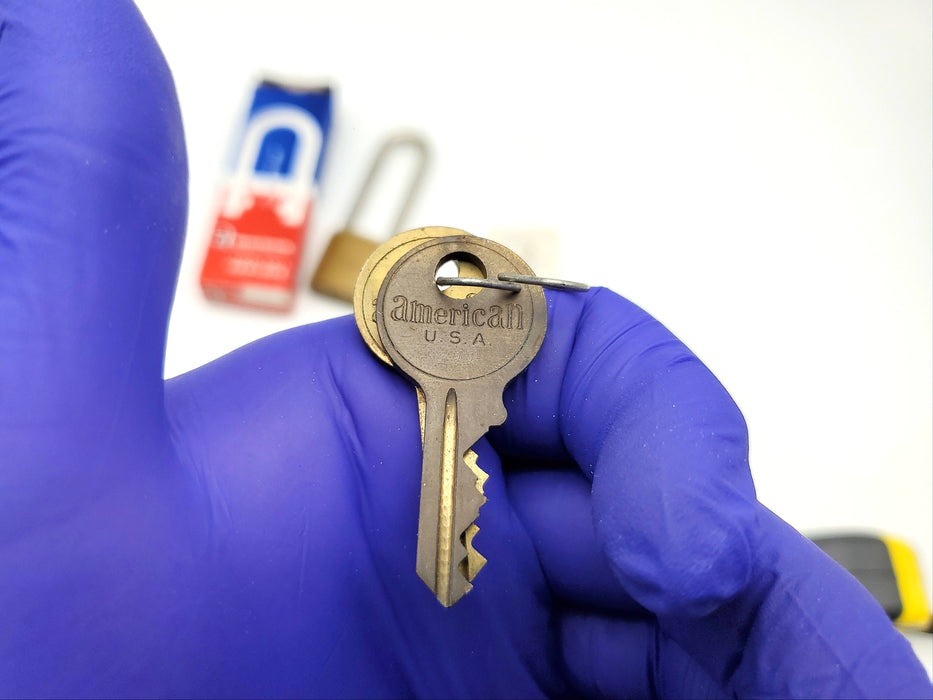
(756, 175)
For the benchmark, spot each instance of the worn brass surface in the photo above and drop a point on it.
(370, 279)
(461, 353)
(337, 272)
(365, 293)
(374, 271)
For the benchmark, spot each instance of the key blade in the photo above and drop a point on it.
(451, 497)
(445, 520)
(474, 561)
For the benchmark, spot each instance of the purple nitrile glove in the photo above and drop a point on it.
(248, 529)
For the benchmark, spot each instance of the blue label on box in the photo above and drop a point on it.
(277, 152)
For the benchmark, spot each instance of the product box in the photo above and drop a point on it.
(267, 199)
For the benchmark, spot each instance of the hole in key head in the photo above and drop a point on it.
(459, 265)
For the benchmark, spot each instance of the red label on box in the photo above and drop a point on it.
(253, 258)
(257, 239)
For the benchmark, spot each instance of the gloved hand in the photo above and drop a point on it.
(249, 528)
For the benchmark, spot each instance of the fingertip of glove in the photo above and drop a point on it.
(694, 568)
(90, 105)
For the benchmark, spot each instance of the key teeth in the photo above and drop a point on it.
(481, 476)
(473, 562)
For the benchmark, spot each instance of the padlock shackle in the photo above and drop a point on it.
(293, 188)
(394, 141)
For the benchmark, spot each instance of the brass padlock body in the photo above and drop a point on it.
(341, 264)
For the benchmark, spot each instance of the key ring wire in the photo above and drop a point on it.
(513, 283)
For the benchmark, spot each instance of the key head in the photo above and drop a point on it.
(491, 335)
(375, 269)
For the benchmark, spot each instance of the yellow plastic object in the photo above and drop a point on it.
(915, 612)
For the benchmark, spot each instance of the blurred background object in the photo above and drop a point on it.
(265, 205)
(756, 175)
(347, 250)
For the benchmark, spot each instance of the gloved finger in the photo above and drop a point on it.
(805, 628)
(92, 207)
(663, 442)
(617, 657)
(93, 188)
(556, 508)
(760, 609)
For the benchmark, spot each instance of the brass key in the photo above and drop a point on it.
(461, 353)
(364, 309)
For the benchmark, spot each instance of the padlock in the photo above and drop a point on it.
(347, 251)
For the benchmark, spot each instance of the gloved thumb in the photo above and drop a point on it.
(93, 183)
